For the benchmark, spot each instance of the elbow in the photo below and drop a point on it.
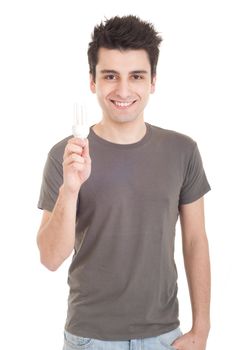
(50, 264)
(51, 256)
(47, 259)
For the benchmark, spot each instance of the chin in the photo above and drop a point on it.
(124, 119)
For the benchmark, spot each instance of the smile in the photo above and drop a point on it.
(122, 104)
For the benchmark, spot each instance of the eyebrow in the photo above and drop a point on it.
(112, 71)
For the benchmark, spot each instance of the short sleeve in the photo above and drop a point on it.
(51, 182)
(195, 183)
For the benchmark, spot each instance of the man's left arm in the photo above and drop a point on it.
(197, 266)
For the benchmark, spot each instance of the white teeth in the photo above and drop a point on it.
(122, 104)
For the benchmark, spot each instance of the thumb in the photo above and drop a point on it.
(174, 345)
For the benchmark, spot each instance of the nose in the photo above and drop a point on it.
(123, 90)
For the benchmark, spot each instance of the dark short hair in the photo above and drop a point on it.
(124, 33)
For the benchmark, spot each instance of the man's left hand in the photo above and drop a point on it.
(190, 341)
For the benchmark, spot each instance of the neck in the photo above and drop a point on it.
(122, 133)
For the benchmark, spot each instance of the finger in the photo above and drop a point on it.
(72, 165)
(76, 141)
(73, 158)
(175, 345)
(72, 148)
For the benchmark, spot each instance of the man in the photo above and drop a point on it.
(115, 198)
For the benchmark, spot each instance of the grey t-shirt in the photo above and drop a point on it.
(123, 278)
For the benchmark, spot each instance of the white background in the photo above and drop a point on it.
(43, 71)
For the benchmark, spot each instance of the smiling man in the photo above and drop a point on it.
(115, 197)
(123, 83)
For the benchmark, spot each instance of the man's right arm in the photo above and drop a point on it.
(56, 236)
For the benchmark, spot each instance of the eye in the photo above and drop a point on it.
(137, 76)
(110, 77)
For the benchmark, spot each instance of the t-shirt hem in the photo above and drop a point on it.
(124, 337)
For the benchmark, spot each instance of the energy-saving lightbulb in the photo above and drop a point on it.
(80, 127)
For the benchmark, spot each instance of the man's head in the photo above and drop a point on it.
(124, 33)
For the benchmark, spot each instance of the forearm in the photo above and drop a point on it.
(56, 238)
(197, 265)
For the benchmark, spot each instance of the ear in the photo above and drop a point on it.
(92, 84)
(153, 84)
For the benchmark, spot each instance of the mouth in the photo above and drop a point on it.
(122, 105)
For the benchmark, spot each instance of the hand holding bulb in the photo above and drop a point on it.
(77, 161)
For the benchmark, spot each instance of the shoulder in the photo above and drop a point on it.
(57, 151)
(173, 140)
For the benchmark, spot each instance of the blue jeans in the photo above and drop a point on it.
(161, 342)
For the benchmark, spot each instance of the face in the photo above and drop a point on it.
(123, 84)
